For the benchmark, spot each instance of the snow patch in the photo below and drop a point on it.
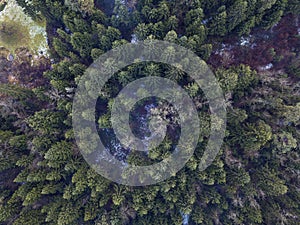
(244, 41)
(204, 21)
(134, 39)
(267, 67)
(185, 218)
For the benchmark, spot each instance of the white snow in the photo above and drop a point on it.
(185, 218)
(267, 67)
(205, 21)
(244, 41)
(134, 39)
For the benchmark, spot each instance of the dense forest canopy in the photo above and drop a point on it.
(253, 49)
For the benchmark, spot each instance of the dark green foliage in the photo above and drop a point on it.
(253, 180)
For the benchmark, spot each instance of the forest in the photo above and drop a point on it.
(253, 48)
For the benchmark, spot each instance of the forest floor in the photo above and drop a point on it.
(262, 50)
(19, 30)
